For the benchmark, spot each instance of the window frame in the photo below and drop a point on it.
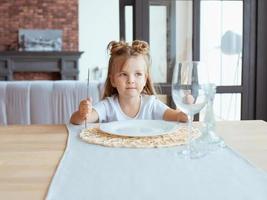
(141, 31)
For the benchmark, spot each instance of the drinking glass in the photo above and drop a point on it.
(189, 96)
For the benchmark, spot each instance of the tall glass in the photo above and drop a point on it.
(189, 96)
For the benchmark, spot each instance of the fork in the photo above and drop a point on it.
(87, 94)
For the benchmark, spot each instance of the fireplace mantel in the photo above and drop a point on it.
(63, 62)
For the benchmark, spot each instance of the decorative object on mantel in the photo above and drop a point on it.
(40, 40)
(94, 135)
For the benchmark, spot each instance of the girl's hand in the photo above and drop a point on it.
(175, 115)
(182, 117)
(85, 108)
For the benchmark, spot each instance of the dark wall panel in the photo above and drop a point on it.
(261, 79)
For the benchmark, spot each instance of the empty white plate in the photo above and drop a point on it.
(138, 128)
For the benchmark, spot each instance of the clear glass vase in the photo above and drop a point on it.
(209, 135)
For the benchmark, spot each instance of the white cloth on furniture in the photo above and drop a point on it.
(3, 116)
(67, 96)
(18, 102)
(41, 97)
(42, 102)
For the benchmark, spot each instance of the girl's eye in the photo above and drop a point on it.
(139, 74)
(123, 74)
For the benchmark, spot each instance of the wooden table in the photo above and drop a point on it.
(28, 159)
(29, 155)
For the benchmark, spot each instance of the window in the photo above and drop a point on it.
(221, 33)
(210, 30)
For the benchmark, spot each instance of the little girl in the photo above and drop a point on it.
(128, 91)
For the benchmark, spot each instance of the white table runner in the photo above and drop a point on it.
(89, 171)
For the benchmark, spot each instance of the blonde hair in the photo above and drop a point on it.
(123, 51)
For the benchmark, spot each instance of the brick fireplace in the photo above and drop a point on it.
(38, 14)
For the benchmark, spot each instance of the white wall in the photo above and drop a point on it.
(98, 25)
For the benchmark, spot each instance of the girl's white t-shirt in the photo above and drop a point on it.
(109, 109)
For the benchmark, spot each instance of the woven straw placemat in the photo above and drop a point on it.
(94, 135)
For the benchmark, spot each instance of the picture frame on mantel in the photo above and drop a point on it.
(40, 40)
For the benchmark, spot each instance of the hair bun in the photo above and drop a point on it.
(117, 47)
(141, 47)
(121, 47)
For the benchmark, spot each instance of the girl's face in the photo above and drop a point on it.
(132, 77)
